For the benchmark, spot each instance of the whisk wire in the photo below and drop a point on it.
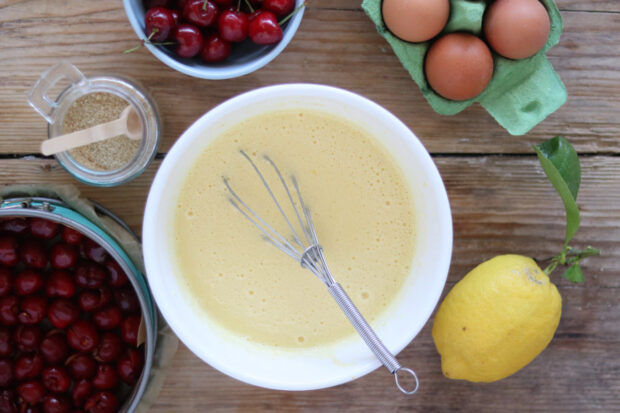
(273, 197)
(290, 197)
(311, 256)
(268, 231)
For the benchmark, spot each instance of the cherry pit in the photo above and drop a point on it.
(69, 317)
(210, 28)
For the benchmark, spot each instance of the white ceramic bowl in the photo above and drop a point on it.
(326, 366)
(246, 57)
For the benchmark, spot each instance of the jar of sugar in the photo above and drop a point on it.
(90, 101)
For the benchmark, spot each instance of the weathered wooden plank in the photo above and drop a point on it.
(565, 5)
(577, 372)
(333, 46)
(500, 205)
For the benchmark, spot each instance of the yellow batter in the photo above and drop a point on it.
(360, 205)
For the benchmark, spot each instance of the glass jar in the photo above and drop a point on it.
(54, 111)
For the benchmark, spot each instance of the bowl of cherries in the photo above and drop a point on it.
(215, 39)
(71, 323)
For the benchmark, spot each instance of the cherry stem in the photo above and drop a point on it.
(204, 5)
(238, 5)
(294, 12)
(148, 40)
(249, 4)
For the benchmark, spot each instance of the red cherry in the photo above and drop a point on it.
(17, 226)
(6, 373)
(264, 28)
(129, 329)
(32, 253)
(56, 379)
(29, 281)
(129, 365)
(27, 337)
(116, 276)
(81, 366)
(81, 390)
(82, 336)
(63, 256)
(233, 25)
(110, 347)
(60, 284)
(215, 49)
(280, 8)
(202, 13)
(8, 251)
(6, 283)
(94, 251)
(176, 16)
(108, 318)
(43, 228)
(6, 342)
(31, 391)
(93, 300)
(252, 15)
(89, 275)
(158, 23)
(102, 402)
(28, 366)
(9, 309)
(127, 300)
(56, 403)
(7, 401)
(30, 409)
(54, 348)
(62, 313)
(71, 236)
(32, 309)
(188, 39)
(106, 377)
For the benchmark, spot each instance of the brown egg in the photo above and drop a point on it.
(516, 29)
(415, 20)
(459, 66)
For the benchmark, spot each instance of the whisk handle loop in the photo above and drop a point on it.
(370, 337)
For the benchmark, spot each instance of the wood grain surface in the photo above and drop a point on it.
(500, 199)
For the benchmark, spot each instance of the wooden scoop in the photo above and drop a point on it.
(127, 124)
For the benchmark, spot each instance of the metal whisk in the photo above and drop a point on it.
(309, 253)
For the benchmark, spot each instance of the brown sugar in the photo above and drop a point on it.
(93, 109)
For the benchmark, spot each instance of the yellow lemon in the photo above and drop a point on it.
(496, 320)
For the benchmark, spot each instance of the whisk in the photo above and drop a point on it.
(305, 249)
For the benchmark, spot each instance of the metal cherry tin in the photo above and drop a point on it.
(57, 211)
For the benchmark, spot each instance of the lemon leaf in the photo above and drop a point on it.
(574, 274)
(560, 163)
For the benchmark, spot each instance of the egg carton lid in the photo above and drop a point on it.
(521, 94)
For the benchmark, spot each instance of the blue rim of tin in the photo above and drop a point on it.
(58, 211)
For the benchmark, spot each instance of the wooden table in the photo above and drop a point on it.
(501, 201)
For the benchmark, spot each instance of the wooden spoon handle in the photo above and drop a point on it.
(84, 137)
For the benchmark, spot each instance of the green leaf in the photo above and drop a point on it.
(564, 157)
(574, 274)
(560, 162)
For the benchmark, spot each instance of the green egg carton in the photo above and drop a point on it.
(521, 94)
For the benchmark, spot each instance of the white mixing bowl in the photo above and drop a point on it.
(300, 369)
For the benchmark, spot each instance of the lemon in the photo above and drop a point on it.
(496, 320)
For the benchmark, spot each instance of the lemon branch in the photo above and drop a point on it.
(560, 163)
